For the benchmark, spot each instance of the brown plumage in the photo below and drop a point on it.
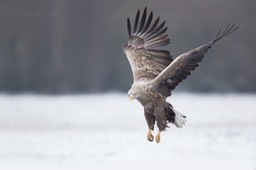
(155, 73)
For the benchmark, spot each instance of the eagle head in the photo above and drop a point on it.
(136, 92)
(131, 95)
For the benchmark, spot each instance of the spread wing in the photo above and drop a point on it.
(143, 50)
(182, 66)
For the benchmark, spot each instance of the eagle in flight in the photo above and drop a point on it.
(155, 73)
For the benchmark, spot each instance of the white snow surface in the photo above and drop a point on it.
(108, 131)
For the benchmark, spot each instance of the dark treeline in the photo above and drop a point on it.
(65, 46)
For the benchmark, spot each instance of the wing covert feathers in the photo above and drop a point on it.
(182, 66)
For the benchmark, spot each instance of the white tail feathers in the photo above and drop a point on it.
(180, 119)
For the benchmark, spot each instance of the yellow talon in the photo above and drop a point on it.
(158, 137)
(150, 137)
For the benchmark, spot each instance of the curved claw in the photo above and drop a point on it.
(150, 136)
(158, 136)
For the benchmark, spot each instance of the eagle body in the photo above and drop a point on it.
(155, 106)
(155, 73)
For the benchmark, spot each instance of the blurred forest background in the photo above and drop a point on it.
(73, 46)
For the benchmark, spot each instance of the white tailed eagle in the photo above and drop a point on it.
(155, 73)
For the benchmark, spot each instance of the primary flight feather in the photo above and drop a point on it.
(155, 73)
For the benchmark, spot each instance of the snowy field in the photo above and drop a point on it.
(109, 132)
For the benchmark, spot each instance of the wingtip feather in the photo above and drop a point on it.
(129, 27)
(228, 30)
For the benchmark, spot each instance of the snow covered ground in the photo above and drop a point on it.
(109, 132)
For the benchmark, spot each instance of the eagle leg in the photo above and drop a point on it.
(158, 136)
(150, 136)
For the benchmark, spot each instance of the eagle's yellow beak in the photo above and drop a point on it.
(132, 97)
